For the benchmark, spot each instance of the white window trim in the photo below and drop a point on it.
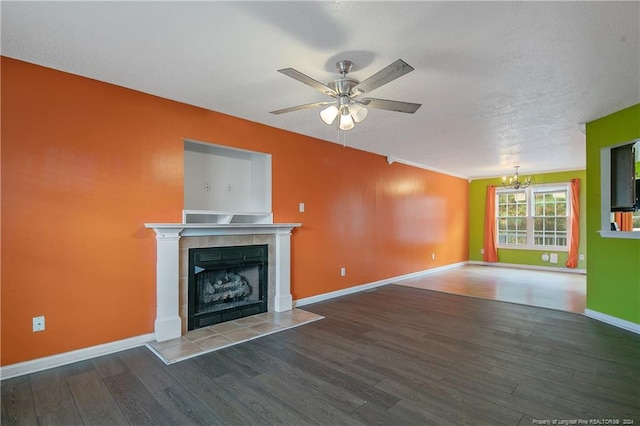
(560, 186)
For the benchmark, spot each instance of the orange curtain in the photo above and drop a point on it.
(572, 260)
(624, 220)
(490, 248)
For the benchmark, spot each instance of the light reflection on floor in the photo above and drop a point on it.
(555, 290)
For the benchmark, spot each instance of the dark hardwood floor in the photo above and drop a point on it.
(393, 356)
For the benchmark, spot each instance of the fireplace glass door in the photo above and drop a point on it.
(226, 283)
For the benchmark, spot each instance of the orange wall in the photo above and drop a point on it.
(85, 164)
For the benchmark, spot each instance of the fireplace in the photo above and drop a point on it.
(226, 283)
(173, 240)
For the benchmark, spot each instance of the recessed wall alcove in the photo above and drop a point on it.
(226, 185)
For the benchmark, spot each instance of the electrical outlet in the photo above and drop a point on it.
(481, 251)
(343, 271)
(301, 207)
(581, 257)
(38, 323)
(433, 256)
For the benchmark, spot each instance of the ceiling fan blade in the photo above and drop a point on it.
(397, 106)
(299, 107)
(303, 78)
(384, 76)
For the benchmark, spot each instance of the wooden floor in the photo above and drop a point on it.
(547, 289)
(395, 355)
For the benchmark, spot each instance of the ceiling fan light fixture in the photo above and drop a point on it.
(346, 121)
(329, 114)
(344, 89)
(358, 112)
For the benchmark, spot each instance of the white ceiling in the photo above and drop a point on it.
(501, 83)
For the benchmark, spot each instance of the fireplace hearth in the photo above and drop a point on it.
(226, 283)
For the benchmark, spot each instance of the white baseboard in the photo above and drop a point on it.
(40, 364)
(369, 286)
(534, 267)
(616, 322)
(28, 367)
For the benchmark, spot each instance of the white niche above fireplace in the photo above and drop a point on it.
(225, 185)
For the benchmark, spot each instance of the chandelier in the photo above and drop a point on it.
(514, 182)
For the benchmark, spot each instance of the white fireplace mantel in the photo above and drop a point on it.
(168, 322)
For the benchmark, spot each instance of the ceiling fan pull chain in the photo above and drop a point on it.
(343, 135)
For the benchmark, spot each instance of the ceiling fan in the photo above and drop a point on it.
(346, 90)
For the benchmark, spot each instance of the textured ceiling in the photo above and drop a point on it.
(501, 83)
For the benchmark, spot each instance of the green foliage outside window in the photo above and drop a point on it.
(512, 218)
(536, 216)
(550, 220)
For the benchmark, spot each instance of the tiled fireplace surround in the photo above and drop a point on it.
(221, 241)
(173, 243)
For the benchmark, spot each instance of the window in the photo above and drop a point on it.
(512, 218)
(533, 218)
(550, 219)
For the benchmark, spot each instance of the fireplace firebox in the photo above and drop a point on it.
(226, 283)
